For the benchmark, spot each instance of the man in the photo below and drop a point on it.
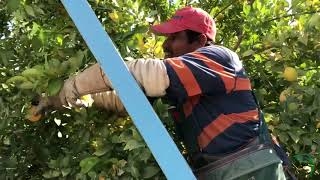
(215, 111)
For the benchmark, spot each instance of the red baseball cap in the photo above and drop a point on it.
(194, 19)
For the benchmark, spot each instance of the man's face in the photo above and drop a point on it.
(177, 44)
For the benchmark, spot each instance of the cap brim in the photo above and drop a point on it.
(166, 28)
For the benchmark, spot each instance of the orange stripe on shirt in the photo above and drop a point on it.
(190, 104)
(223, 122)
(186, 77)
(242, 84)
(227, 77)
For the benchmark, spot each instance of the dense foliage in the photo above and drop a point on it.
(279, 43)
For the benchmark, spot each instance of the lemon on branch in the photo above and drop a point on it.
(87, 100)
(114, 16)
(292, 107)
(290, 74)
(31, 115)
(318, 125)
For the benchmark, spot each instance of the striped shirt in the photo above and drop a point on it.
(210, 89)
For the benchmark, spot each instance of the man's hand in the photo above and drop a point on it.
(43, 104)
(40, 107)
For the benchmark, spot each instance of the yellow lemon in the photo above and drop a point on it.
(220, 17)
(114, 16)
(292, 107)
(87, 100)
(290, 74)
(318, 125)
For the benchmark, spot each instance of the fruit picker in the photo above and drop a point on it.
(215, 112)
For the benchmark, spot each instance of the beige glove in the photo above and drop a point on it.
(151, 75)
(107, 100)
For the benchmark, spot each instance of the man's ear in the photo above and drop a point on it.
(202, 40)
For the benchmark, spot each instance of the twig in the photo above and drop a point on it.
(290, 15)
(240, 37)
(224, 9)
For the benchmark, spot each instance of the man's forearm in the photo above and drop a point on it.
(92, 80)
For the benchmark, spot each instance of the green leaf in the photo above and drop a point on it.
(26, 85)
(88, 163)
(54, 86)
(65, 162)
(145, 154)
(36, 43)
(42, 36)
(257, 4)
(10, 163)
(29, 10)
(38, 10)
(295, 147)
(133, 144)
(314, 20)
(134, 171)
(294, 136)
(284, 126)
(32, 73)
(13, 5)
(303, 39)
(35, 29)
(307, 141)
(136, 135)
(246, 9)
(248, 53)
(124, 136)
(17, 79)
(51, 174)
(283, 137)
(53, 164)
(150, 171)
(4, 58)
(92, 175)
(102, 150)
(76, 61)
(65, 172)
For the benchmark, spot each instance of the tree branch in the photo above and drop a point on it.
(240, 37)
(290, 15)
(226, 7)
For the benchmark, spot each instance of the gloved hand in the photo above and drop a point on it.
(42, 104)
(107, 100)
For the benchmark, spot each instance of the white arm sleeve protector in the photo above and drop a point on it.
(109, 101)
(151, 75)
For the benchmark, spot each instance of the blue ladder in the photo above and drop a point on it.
(145, 119)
